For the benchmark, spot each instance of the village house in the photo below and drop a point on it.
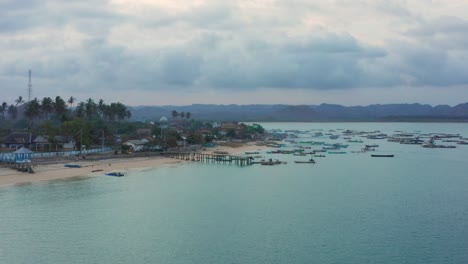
(16, 140)
(143, 132)
(41, 143)
(136, 144)
(65, 142)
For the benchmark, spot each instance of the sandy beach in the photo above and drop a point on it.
(58, 171)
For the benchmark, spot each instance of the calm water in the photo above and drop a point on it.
(344, 209)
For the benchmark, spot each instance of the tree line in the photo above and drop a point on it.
(182, 115)
(49, 116)
(45, 108)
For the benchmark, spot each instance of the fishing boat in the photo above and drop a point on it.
(382, 155)
(271, 162)
(115, 174)
(355, 141)
(252, 152)
(336, 152)
(72, 166)
(300, 154)
(305, 161)
(319, 156)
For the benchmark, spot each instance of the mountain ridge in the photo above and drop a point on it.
(309, 113)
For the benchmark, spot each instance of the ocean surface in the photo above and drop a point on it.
(347, 208)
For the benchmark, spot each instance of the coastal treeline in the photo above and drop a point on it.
(88, 122)
(53, 121)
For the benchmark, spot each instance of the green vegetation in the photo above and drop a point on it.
(88, 121)
(92, 125)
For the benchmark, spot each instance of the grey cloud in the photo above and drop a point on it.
(442, 33)
(328, 62)
(180, 69)
(24, 15)
(227, 50)
(431, 66)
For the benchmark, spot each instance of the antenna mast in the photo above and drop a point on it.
(29, 87)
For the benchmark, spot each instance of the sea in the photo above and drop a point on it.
(345, 208)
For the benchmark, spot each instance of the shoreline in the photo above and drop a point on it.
(57, 171)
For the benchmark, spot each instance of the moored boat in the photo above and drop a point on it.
(305, 161)
(115, 174)
(72, 166)
(382, 155)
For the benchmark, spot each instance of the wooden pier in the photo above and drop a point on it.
(210, 158)
(22, 166)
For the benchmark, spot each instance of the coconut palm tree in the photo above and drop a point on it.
(20, 100)
(90, 107)
(3, 109)
(174, 114)
(101, 107)
(71, 100)
(80, 110)
(13, 111)
(33, 110)
(187, 115)
(47, 106)
(60, 107)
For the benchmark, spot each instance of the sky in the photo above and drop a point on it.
(180, 52)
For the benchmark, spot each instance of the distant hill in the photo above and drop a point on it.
(309, 113)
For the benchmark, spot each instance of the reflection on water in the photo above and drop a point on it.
(343, 209)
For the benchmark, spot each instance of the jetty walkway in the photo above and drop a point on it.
(210, 158)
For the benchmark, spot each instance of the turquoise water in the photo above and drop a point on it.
(345, 209)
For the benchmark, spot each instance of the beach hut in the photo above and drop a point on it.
(23, 155)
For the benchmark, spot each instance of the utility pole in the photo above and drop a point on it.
(81, 141)
(102, 140)
(29, 87)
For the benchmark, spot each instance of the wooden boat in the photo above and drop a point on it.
(336, 152)
(115, 174)
(382, 155)
(355, 141)
(305, 161)
(271, 162)
(252, 152)
(300, 154)
(72, 166)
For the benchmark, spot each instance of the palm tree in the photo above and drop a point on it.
(121, 111)
(101, 107)
(3, 109)
(80, 110)
(182, 115)
(33, 110)
(174, 114)
(71, 100)
(187, 115)
(60, 106)
(19, 100)
(47, 107)
(90, 108)
(13, 111)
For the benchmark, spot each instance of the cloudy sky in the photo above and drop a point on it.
(159, 52)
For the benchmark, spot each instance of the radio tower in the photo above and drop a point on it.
(29, 87)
